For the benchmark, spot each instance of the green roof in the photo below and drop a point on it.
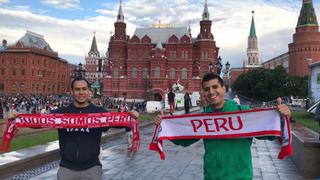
(307, 15)
(253, 28)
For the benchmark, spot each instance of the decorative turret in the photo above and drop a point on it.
(120, 26)
(120, 17)
(253, 58)
(307, 15)
(205, 14)
(305, 47)
(205, 24)
(94, 48)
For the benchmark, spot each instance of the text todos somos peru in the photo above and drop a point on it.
(78, 121)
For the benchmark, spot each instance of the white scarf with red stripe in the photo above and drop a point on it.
(92, 120)
(241, 124)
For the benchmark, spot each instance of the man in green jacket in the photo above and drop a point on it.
(227, 159)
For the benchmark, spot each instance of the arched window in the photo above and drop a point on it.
(145, 73)
(184, 73)
(157, 72)
(172, 73)
(116, 72)
(134, 73)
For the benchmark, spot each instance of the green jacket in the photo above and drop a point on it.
(226, 159)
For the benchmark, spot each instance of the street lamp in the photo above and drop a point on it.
(210, 67)
(219, 65)
(80, 71)
(228, 74)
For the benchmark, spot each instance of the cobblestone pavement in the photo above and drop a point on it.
(181, 163)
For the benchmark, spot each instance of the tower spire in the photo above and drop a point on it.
(94, 48)
(205, 14)
(253, 27)
(120, 17)
(189, 29)
(307, 15)
(253, 57)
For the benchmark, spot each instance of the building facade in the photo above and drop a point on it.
(305, 48)
(303, 51)
(30, 66)
(95, 64)
(281, 60)
(153, 59)
(253, 59)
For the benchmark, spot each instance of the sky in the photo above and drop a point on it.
(68, 25)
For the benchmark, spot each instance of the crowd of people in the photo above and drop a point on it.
(46, 103)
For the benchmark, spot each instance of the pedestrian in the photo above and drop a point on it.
(122, 108)
(236, 98)
(223, 158)
(187, 103)
(80, 147)
(171, 99)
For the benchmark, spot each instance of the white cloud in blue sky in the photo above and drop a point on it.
(63, 4)
(3, 1)
(67, 25)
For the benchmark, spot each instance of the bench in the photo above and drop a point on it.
(306, 151)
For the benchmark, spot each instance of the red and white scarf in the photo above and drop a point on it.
(241, 124)
(93, 120)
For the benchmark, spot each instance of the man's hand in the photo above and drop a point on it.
(134, 114)
(282, 108)
(158, 118)
(12, 115)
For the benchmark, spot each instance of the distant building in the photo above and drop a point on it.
(95, 64)
(153, 59)
(30, 66)
(282, 60)
(305, 48)
(253, 57)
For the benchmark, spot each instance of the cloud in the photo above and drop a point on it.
(4, 2)
(63, 4)
(68, 38)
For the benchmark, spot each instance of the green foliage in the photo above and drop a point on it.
(268, 84)
(21, 142)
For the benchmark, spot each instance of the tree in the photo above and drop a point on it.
(268, 84)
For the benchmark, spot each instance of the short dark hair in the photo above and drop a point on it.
(79, 79)
(211, 76)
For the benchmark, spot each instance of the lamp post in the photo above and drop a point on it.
(210, 67)
(219, 65)
(228, 74)
(80, 71)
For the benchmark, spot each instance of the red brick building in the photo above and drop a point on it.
(153, 59)
(30, 66)
(305, 48)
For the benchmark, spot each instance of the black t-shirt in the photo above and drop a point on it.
(80, 147)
